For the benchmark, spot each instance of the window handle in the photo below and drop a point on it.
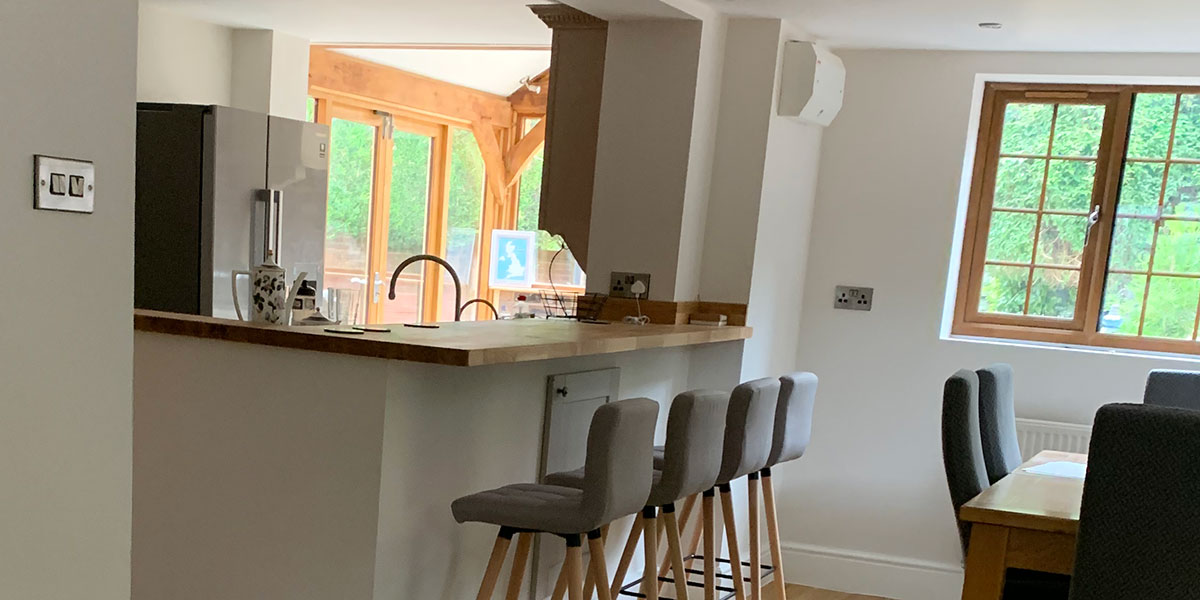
(1092, 219)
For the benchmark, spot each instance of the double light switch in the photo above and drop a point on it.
(63, 184)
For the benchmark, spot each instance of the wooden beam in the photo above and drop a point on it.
(493, 157)
(528, 102)
(332, 73)
(522, 152)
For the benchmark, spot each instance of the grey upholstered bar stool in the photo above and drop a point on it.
(749, 428)
(998, 421)
(691, 459)
(793, 430)
(618, 474)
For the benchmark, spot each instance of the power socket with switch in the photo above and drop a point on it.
(850, 297)
(622, 285)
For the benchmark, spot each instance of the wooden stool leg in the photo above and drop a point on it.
(675, 551)
(560, 586)
(574, 568)
(495, 563)
(626, 556)
(650, 569)
(735, 557)
(589, 579)
(599, 568)
(517, 574)
(694, 544)
(685, 517)
(755, 543)
(710, 545)
(778, 582)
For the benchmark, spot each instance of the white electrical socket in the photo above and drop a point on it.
(621, 285)
(851, 297)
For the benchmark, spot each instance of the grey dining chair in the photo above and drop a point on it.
(967, 477)
(1180, 389)
(1138, 525)
(998, 421)
(618, 471)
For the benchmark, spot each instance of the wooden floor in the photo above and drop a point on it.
(799, 592)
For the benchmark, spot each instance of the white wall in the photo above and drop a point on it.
(182, 59)
(186, 60)
(701, 155)
(269, 72)
(867, 509)
(762, 193)
(69, 68)
(642, 152)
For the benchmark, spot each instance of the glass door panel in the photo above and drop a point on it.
(465, 216)
(408, 215)
(347, 224)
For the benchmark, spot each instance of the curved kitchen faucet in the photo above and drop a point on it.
(458, 303)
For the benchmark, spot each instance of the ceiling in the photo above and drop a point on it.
(1029, 25)
(412, 21)
(496, 71)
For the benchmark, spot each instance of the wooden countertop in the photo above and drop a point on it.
(465, 344)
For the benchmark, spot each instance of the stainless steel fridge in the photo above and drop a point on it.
(216, 188)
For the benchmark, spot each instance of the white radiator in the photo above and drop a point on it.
(1034, 436)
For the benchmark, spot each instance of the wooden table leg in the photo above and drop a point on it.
(984, 576)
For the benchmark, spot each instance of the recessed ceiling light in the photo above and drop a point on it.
(991, 25)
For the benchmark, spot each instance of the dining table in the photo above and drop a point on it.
(1027, 520)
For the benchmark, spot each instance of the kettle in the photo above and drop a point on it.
(269, 298)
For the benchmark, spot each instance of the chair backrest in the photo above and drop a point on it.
(1180, 389)
(1138, 526)
(748, 428)
(693, 450)
(793, 417)
(962, 450)
(998, 421)
(619, 467)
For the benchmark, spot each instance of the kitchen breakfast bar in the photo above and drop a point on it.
(288, 462)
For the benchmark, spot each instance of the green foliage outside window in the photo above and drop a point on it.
(1171, 307)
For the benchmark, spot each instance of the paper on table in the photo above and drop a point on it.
(1059, 468)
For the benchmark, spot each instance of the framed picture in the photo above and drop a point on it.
(514, 259)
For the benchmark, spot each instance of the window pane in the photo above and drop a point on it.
(1183, 183)
(1141, 186)
(1019, 182)
(1187, 130)
(466, 216)
(351, 166)
(1053, 293)
(1077, 132)
(1003, 289)
(1061, 240)
(1010, 238)
(1171, 307)
(1150, 129)
(1069, 185)
(407, 216)
(1027, 128)
(1178, 247)
(310, 113)
(1123, 295)
(1131, 241)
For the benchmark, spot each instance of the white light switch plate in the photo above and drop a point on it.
(63, 184)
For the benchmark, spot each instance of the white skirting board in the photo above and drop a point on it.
(888, 576)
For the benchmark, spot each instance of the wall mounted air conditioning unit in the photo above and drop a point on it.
(812, 83)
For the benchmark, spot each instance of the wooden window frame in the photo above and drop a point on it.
(420, 104)
(1083, 329)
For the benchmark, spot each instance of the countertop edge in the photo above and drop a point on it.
(391, 349)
